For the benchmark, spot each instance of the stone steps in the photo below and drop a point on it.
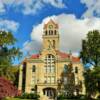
(45, 98)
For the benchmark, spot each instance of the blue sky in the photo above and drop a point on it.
(25, 19)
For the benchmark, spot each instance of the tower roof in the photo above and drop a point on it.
(50, 22)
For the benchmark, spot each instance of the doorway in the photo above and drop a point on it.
(49, 92)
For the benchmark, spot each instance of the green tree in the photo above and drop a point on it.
(91, 48)
(8, 53)
(91, 54)
(70, 85)
(92, 82)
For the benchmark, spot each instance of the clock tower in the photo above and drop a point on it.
(50, 36)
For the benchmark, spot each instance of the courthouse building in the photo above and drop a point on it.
(47, 72)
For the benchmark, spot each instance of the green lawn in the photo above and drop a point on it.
(16, 99)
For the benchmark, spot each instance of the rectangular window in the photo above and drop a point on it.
(33, 80)
(52, 69)
(52, 79)
(48, 69)
(33, 68)
(48, 79)
(45, 69)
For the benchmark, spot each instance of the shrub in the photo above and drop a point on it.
(29, 96)
(64, 97)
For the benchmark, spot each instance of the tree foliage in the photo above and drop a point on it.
(91, 48)
(7, 49)
(7, 89)
(92, 81)
(8, 53)
(91, 54)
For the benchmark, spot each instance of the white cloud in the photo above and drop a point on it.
(9, 25)
(93, 8)
(2, 9)
(29, 46)
(29, 6)
(55, 3)
(71, 29)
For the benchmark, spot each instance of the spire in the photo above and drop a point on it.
(70, 55)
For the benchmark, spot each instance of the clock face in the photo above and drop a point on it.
(50, 26)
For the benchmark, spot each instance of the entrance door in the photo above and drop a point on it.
(49, 92)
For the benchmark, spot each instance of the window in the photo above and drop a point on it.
(49, 64)
(49, 68)
(49, 56)
(52, 69)
(76, 69)
(45, 69)
(45, 79)
(48, 79)
(55, 32)
(52, 79)
(54, 43)
(46, 32)
(33, 80)
(33, 68)
(51, 32)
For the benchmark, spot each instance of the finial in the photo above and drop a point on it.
(70, 52)
(70, 55)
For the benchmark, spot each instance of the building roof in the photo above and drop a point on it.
(66, 55)
(35, 56)
(62, 55)
(51, 21)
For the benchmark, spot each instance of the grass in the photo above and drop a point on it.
(15, 99)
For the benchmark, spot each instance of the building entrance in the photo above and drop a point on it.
(49, 92)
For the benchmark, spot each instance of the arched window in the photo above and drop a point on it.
(51, 32)
(76, 69)
(54, 43)
(46, 32)
(55, 32)
(33, 68)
